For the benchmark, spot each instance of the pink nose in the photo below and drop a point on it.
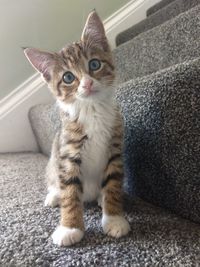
(87, 83)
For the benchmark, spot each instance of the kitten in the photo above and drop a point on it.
(86, 161)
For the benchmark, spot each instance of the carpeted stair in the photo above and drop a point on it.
(162, 126)
(166, 13)
(159, 94)
(171, 43)
(158, 6)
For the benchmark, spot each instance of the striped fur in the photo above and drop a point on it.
(86, 159)
(113, 175)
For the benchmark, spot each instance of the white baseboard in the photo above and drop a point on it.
(20, 94)
(15, 130)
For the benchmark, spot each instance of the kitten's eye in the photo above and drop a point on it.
(94, 64)
(68, 77)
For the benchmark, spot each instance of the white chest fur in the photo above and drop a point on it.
(97, 120)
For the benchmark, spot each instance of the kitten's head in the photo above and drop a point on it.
(83, 70)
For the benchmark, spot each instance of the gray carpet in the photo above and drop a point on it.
(158, 238)
(166, 13)
(171, 43)
(162, 140)
(158, 6)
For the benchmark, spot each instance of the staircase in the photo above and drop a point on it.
(158, 65)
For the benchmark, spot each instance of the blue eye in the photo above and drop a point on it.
(68, 77)
(94, 64)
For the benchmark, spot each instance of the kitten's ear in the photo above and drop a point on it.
(41, 61)
(94, 33)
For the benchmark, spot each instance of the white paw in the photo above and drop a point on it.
(52, 199)
(115, 226)
(65, 236)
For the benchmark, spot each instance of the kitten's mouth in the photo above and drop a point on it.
(90, 92)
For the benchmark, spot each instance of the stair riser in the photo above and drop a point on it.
(162, 141)
(158, 6)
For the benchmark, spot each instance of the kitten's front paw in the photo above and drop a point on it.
(65, 236)
(115, 226)
(52, 199)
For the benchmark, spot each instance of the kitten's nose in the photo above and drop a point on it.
(87, 83)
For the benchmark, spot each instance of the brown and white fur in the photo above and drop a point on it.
(86, 159)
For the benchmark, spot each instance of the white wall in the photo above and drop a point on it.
(46, 24)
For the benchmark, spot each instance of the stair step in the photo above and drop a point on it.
(26, 227)
(45, 122)
(162, 141)
(158, 6)
(166, 13)
(173, 42)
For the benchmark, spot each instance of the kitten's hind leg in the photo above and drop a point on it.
(52, 199)
(53, 196)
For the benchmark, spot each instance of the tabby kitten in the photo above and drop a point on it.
(86, 161)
